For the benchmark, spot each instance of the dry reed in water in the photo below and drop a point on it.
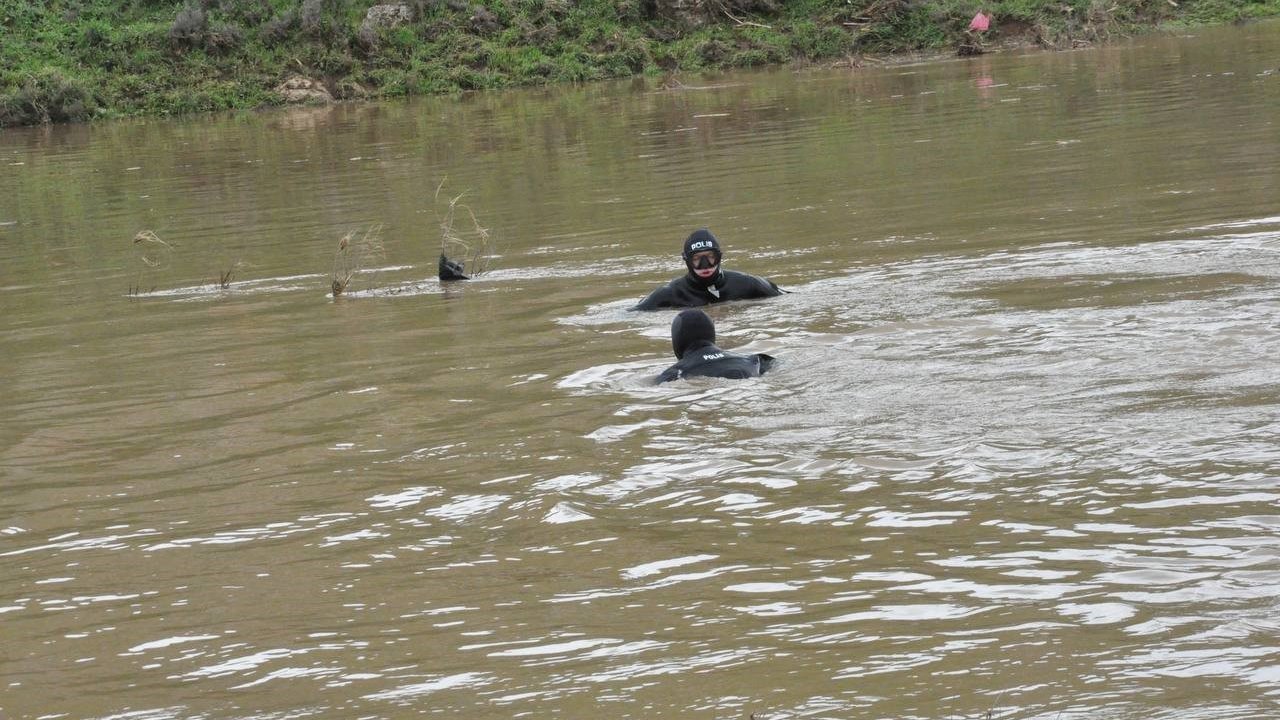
(354, 250)
(473, 246)
(153, 252)
(224, 277)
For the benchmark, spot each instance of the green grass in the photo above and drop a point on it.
(69, 60)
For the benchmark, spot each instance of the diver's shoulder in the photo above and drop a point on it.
(755, 284)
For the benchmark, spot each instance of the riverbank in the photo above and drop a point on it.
(76, 60)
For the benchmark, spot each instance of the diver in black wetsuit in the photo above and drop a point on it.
(693, 338)
(706, 282)
(451, 270)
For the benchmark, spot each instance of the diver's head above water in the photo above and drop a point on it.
(702, 256)
(690, 330)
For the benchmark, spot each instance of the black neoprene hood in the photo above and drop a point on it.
(691, 329)
(699, 241)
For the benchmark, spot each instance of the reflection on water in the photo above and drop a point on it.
(1018, 455)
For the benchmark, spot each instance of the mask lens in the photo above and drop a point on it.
(704, 261)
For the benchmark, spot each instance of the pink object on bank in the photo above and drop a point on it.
(980, 22)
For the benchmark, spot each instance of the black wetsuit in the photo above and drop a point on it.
(688, 290)
(451, 270)
(710, 361)
(693, 339)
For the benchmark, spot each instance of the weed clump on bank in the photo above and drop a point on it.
(47, 97)
(66, 61)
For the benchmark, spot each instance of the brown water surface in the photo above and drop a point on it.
(1020, 454)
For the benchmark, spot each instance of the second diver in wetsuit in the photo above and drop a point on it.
(451, 270)
(693, 338)
(706, 282)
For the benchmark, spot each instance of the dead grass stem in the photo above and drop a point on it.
(473, 245)
(225, 277)
(153, 252)
(355, 250)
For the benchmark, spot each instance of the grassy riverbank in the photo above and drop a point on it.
(72, 60)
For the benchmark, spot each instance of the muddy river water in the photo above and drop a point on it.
(1020, 454)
